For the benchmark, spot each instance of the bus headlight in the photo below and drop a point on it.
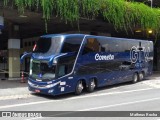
(50, 86)
(40, 86)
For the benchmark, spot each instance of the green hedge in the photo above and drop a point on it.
(122, 14)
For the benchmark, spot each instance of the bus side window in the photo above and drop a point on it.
(92, 45)
(65, 65)
(61, 71)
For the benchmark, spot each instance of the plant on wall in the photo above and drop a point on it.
(122, 14)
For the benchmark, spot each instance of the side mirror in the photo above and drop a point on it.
(24, 56)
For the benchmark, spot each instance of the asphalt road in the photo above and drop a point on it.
(142, 96)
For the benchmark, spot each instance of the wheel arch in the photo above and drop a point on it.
(84, 81)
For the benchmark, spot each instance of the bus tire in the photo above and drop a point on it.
(91, 85)
(141, 76)
(79, 87)
(135, 78)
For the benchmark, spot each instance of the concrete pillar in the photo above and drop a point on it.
(14, 57)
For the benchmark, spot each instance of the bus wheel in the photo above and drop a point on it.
(91, 85)
(141, 76)
(135, 78)
(79, 87)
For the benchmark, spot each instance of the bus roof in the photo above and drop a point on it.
(64, 35)
(82, 35)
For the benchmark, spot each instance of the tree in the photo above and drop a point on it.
(123, 14)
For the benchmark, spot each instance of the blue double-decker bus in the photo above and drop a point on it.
(64, 63)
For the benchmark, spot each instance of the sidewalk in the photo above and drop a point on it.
(13, 89)
(154, 80)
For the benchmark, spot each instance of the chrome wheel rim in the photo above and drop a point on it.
(80, 87)
(141, 76)
(135, 78)
(93, 84)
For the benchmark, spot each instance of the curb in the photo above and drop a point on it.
(13, 78)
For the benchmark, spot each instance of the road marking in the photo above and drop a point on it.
(95, 108)
(78, 97)
(73, 98)
(111, 93)
(120, 104)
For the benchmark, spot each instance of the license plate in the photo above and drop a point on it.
(37, 91)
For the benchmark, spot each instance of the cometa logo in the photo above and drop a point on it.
(104, 57)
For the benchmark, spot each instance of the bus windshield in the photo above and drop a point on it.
(48, 45)
(42, 71)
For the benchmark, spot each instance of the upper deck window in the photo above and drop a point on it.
(71, 44)
(92, 45)
(48, 45)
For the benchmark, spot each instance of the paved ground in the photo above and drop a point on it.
(124, 97)
(142, 96)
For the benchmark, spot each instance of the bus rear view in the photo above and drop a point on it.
(67, 63)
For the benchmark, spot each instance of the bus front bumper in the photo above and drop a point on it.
(43, 89)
